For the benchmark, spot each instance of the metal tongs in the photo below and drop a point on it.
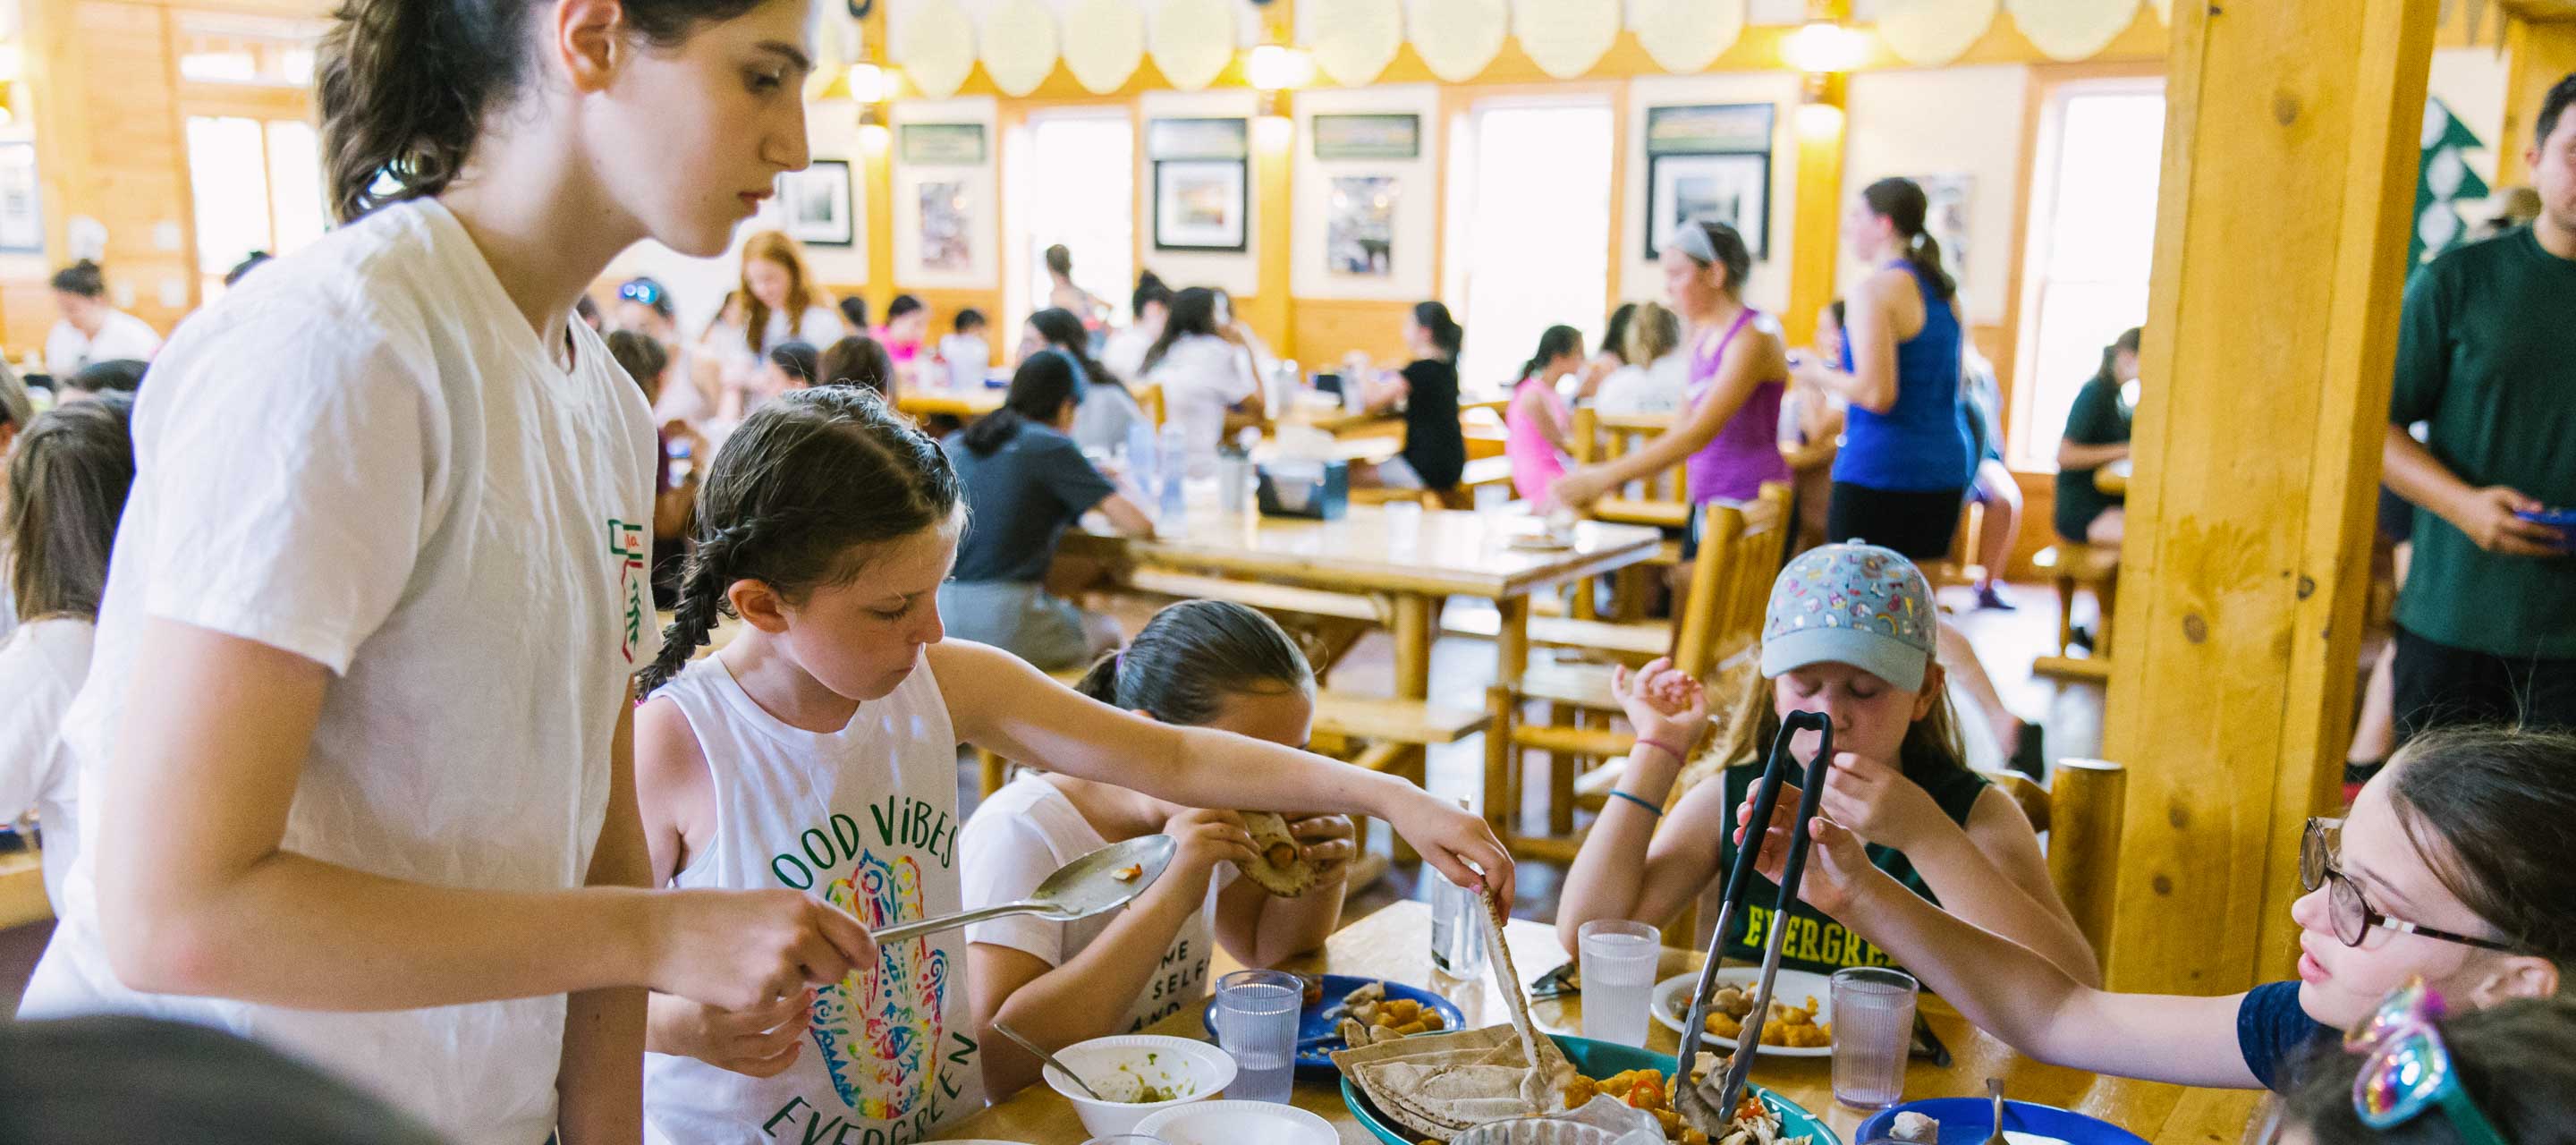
(1692, 1100)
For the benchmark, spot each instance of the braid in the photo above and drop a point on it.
(702, 604)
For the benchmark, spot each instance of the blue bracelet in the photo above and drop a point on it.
(1640, 801)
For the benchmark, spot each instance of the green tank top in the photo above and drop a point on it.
(1816, 942)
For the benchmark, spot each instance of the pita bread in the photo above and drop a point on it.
(1279, 865)
(1439, 1085)
(1548, 1073)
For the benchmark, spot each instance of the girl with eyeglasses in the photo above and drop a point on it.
(2414, 1073)
(2450, 868)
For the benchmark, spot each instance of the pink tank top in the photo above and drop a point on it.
(1746, 451)
(1536, 464)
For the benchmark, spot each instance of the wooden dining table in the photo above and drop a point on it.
(1395, 944)
(2113, 478)
(927, 401)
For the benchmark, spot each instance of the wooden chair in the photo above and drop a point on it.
(1739, 556)
(1662, 501)
(2078, 818)
(2073, 565)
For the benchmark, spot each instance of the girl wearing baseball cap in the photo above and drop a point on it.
(1849, 632)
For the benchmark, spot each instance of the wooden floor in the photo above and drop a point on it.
(2006, 642)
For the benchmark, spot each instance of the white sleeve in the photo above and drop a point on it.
(62, 353)
(1238, 377)
(36, 696)
(127, 336)
(1003, 858)
(820, 327)
(292, 460)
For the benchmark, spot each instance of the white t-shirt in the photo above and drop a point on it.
(1124, 351)
(819, 327)
(1652, 388)
(968, 358)
(866, 819)
(41, 666)
(1021, 835)
(366, 457)
(1202, 377)
(122, 335)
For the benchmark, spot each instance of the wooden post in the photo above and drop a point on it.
(2289, 175)
(1274, 139)
(877, 172)
(1816, 244)
(2085, 797)
(2537, 56)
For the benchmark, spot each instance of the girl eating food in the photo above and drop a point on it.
(1847, 633)
(2450, 868)
(817, 753)
(1199, 663)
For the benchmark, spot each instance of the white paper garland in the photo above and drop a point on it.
(937, 47)
(1104, 40)
(1930, 33)
(1456, 38)
(1566, 37)
(1019, 45)
(1192, 41)
(1353, 40)
(2164, 10)
(2072, 29)
(1687, 36)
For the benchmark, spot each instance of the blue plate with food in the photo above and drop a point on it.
(1382, 1009)
(1633, 1075)
(1971, 1121)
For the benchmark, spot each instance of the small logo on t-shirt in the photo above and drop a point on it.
(627, 543)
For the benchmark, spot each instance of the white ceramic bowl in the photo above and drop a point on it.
(1121, 1066)
(1238, 1123)
(1535, 1131)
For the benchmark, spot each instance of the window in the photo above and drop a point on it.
(1530, 231)
(257, 185)
(1087, 161)
(236, 49)
(2092, 240)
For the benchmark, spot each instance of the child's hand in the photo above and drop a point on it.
(1838, 869)
(759, 1042)
(1877, 802)
(1450, 839)
(1666, 705)
(1327, 842)
(1207, 838)
(743, 950)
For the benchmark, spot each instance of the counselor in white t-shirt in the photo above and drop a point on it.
(116, 335)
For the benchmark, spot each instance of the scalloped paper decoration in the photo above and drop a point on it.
(1930, 33)
(1019, 45)
(2164, 11)
(1687, 36)
(1192, 41)
(1456, 38)
(1104, 40)
(1353, 40)
(1566, 37)
(937, 48)
(2072, 29)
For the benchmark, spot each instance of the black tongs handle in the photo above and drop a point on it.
(1747, 1042)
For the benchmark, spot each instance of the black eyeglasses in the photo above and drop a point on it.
(2354, 918)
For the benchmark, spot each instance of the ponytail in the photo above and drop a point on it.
(1039, 390)
(1064, 334)
(1902, 203)
(1445, 332)
(1555, 343)
(801, 496)
(83, 278)
(2109, 373)
(402, 85)
(1192, 657)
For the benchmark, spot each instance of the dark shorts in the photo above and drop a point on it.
(2438, 686)
(1918, 525)
(2396, 517)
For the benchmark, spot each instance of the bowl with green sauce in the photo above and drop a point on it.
(1139, 1074)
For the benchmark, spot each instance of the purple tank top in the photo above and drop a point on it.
(1746, 451)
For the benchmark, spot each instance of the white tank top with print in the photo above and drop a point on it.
(866, 818)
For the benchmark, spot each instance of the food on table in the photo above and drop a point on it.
(1912, 1126)
(1314, 988)
(1370, 1017)
(1279, 865)
(1128, 873)
(1651, 1091)
(1163, 1088)
(1791, 1027)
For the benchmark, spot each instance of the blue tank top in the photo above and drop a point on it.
(1919, 446)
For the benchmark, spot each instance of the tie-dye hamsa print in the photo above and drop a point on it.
(880, 1033)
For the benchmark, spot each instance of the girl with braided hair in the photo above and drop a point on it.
(817, 752)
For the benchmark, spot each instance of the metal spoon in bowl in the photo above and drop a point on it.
(1102, 880)
(1048, 1058)
(1995, 1090)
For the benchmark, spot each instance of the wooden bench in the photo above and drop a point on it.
(1481, 473)
(1629, 642)
(1258, 594)
(2072, 565)
(22, 890)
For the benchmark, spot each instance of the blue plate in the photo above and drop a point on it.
(2563, 520)
(1597, 1060)
(1969, 1120)
(1315, 1039)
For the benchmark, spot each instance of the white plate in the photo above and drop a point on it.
(1789, 987)
(1239, 1123)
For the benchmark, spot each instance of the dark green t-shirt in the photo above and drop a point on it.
(2099, 417)
(2486, 353)
(1816, 942)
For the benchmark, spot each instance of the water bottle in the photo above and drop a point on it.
(1176, 466)
(1141, 466)
(1457, 927)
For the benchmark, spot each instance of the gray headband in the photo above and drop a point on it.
(1691, 238)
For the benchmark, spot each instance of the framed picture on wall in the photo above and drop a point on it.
(945, 245)
(1359, 227)
(816, 201)
(1710, 161)
(943, 144)
(22, 220)
(1200, 204)
(1367, 136)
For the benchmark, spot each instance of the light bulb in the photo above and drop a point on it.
(1277, 67)
(1824, 46)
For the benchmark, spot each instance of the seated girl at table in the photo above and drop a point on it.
(1107, 411)
(1435, 449)
(859, 360)
(1848, 633)
(2451, 867)
(2513, 1065)
(1537, 424)
(818, 753)
(1203, 663)
(1024, 482)
(1204, 363)
(68, 476)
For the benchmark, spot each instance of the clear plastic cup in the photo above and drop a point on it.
(1873, 1026)
(1619, 960)
(1256, 1023)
